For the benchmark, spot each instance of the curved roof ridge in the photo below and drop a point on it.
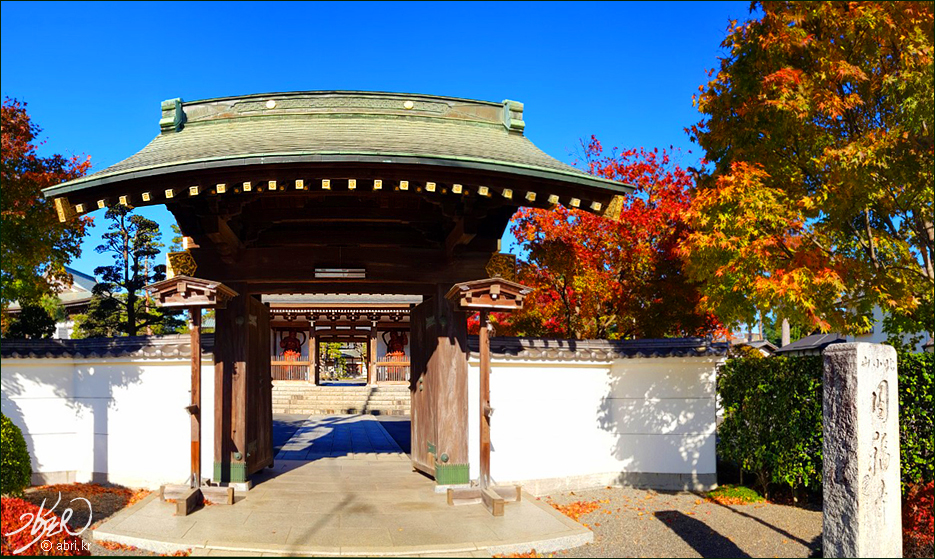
(318, 129)
(267, 94)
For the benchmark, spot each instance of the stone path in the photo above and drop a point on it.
(335, 436)
(353, 493)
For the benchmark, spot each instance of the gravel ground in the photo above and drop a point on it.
(642, 523)
(105, 500)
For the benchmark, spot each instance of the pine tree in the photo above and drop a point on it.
(119, 306)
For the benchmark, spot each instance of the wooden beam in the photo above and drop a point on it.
(363, 235)
(298, 265)
(462, 233)
(226, 242)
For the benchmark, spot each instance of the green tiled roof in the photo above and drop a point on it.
(321, 127)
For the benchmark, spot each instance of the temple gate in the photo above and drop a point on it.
(340, 192)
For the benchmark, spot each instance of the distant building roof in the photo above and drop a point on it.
(78, 293)
(760, 344)
(816, 342)
(86, 281)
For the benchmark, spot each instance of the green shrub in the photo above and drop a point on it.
(15, 466)
(772, 418)
(734, 495)
(916, 437)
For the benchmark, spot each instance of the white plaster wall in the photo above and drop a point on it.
(117, 419)
(597, 421)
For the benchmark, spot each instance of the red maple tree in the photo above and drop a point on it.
(596, 277)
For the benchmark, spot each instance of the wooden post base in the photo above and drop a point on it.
(187, 499)
(218, 495)
(493, 498)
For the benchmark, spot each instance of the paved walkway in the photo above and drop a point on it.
(353, 493)
(334, 436)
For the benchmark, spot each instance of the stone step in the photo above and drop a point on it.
(343, 405)
(342, 412)
(329, 392)
(308, 399)
(325, 397)
(312, 409)
(344, 394)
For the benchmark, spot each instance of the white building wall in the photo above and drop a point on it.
(557, 425)
(571, 425)
(878, 336)
(121, 420)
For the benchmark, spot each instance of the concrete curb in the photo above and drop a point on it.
(574, 536)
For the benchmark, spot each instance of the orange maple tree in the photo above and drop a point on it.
(35, 246)
(816, 203)
(596, 277)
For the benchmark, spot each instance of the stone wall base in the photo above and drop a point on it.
(643, 480)
(51, 478)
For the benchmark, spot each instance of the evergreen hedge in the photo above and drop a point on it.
(15, 465)
(772, 418)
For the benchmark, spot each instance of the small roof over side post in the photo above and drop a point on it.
(493, 294)
(185, 291)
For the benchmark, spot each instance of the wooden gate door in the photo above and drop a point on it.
(243, 427)
(439, 385)
(422, 406)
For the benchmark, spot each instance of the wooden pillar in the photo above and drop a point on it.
(243, 389)
(372, 355)
(316, 364)
(310, 373)
(195, 407)
(484, 338)
(230, 373)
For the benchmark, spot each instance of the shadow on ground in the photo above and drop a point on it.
(284, 426)
(400, 429)
(703, 539)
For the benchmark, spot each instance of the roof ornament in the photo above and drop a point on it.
(513, 116)
(173, 117)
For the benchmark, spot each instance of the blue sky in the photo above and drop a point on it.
(94, 74)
